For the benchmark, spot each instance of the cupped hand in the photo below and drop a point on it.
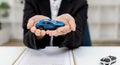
(69, 26)
(31, 25)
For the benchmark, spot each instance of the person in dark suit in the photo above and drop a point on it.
(72, 12)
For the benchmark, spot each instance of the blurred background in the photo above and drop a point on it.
(103, 19)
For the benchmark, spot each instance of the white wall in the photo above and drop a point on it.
(13, 24)
(4, 36)
(104, 20)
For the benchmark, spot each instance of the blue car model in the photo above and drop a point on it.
(48, 24)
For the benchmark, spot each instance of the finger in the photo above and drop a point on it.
(72, 24)
(67, 29)
(61, 31)
(51, 33)
(55, 33)
(48, 32)
(38, 32)
(43, 33)
(31, 23)
(33, 29)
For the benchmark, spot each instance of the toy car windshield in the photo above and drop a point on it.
(48, 24)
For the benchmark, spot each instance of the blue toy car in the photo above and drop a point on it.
(48, 24)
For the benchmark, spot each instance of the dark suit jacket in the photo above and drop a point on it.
(76, 8)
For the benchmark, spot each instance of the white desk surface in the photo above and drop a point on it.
(83, 55)
(9, 54)
(92, 55)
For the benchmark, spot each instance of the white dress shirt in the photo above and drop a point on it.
(54, 5)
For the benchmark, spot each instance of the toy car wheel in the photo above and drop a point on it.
(41, 28)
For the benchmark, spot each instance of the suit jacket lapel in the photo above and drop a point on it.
(45, 7)
(66, 7)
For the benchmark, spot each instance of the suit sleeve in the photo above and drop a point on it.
(29, 37)
(74, 39)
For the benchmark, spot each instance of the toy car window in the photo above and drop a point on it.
(54, 21)
(45, 23)
(49, 23)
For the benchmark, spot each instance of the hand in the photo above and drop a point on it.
(31, 25)
(69, 25)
